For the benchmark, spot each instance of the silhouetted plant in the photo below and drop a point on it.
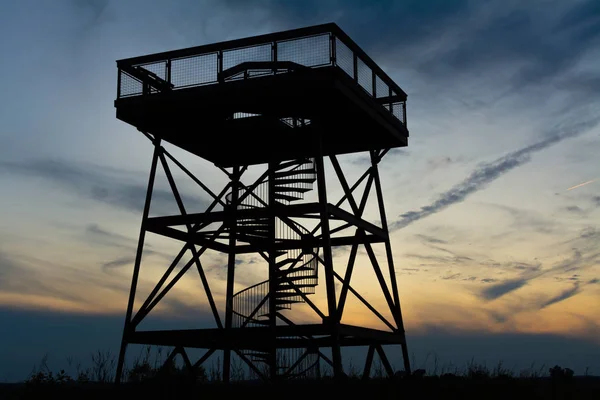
(477, 371)
(103, 366)
(419, 373)
(559, 373)
(501, 372)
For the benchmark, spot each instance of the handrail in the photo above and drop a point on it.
(270, 65)
(233, 44)
(218, 50)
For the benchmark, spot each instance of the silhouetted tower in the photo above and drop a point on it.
(289, 102)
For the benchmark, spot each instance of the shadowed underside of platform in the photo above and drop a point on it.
(200, 119)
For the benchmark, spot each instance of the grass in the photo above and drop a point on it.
(150, 377)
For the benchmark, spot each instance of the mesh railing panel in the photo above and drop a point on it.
(311, 51)
(398, 111)
(231, 58)
(344, 57)
(365, 76)
(381, 88)
(193, 71)
(157, 68)
(130, 86)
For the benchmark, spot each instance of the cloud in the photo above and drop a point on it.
(98, 235)
(119, 262)
(537, 44)
(489, 280)
(578, 261)
(596, 201)
(527, 219)
(431, 239)
(115, 187)
(575, 210)
(562, 296)
(486, 173)
(418, 17)
(17, 276)
(500, 289)
(451, 277)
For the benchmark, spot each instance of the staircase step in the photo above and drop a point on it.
(291, 163)
(288, 189)
(296, 269)
(253, 225)
(286, 294)
(249, 237)
(280, 196)
(288, 271)
(260, 221)
(294, 172)
(285, 181)
(296, 278)
(282, 301)
(262, 232)
(284, 286)
(259, 322)
(257, 354)
(284, 262)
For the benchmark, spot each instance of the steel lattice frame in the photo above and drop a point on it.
(233, 339)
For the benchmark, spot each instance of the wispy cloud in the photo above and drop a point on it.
(431, 239)
(576, 262)
(486, 173)
(568, 293)
(115, 187)
(119, 262)
(500, 289)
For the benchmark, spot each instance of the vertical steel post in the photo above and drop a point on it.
(232, 222)
(390, 260)
(272, 361)
(119, 83)
(333, 317)
(127, 331)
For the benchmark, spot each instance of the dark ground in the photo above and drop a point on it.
(423, 388)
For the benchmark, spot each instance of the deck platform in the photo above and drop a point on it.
(299, 336)
(243, 102)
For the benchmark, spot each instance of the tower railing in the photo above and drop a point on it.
(315, 47)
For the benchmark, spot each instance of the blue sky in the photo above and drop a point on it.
(490, 246)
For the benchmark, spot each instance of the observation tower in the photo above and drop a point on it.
(288, 103)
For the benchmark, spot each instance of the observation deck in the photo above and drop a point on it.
(280, 96)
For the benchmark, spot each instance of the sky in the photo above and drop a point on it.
(493, 208)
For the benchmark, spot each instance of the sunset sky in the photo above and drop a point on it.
(494, 205)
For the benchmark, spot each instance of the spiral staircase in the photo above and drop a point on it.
(294, 268)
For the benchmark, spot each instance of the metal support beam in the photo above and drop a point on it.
(138, 259)
(368, 362)
(390, 259)
(384, 360)
(273, 274)
(232, 223)
(332, 317)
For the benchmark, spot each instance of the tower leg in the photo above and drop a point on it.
(127, 330)
(390, 260)
(231, 270)
(333, 317)
(272, 358)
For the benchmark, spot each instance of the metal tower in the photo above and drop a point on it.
(290, 102)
